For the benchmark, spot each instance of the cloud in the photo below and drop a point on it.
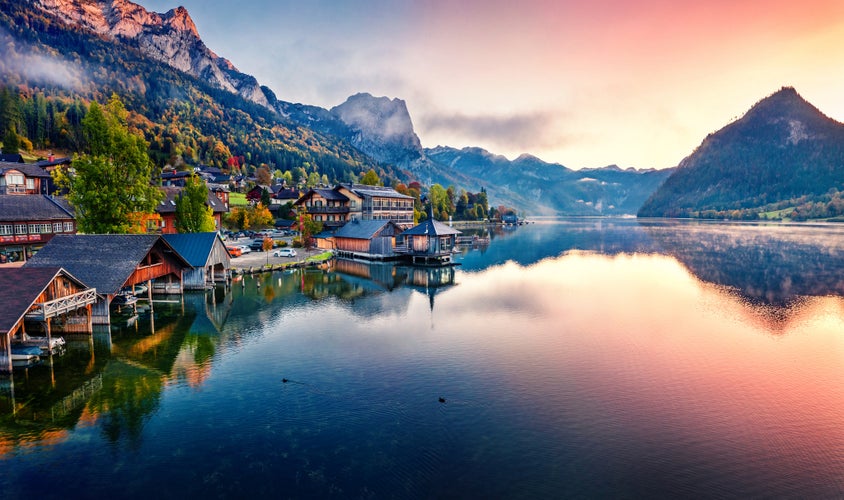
(20, 59)
(516, 131)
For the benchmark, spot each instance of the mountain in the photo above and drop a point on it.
(171, 38)
(543, 188)
(781, 153)
(55, 67)
(194, 106)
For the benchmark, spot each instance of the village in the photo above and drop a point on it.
(55, 281)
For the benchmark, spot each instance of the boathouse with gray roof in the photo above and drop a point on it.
(114, 262)
(368, 239)
(430, 242)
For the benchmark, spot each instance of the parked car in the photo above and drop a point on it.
(257, 244)
(244, 248)
(234, 251)
(284, 252)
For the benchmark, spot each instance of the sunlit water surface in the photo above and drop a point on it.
(592, 358)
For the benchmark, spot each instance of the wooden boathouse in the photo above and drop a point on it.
(39, 295)
(367, 239)
(207, 255)
(428, 243)
(112, 263)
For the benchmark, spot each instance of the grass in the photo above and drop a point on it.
(237, 199)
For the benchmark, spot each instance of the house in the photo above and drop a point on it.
(378, 203)
(166, 208)
(285, 195)
(24, 178)
(328, 206)
(112, 262)
(254, 195)
(175, 178)
(368, 239)
(430, 242)
(39, 294)
(221, 191)
(29, 222)
(207, 255)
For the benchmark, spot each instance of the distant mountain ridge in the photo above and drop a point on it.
(782, 149)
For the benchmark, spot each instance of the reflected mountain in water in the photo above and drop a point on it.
(771, 264)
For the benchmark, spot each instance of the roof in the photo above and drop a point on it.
(65, 160)
(19, 289)
(328, 194)
(287, 194)
(194, 247)
(431, 227)
(11, 157)
(362, 229)
(371, 191)
(167, 205)
(28, 169)
(102, 261)
(32, 207)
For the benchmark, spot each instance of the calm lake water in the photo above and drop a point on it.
(577, 359)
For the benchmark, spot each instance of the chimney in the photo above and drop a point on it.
(51, 157)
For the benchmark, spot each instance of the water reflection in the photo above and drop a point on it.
(590, 359)
(766, 263)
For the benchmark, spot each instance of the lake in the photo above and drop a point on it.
(577, 358)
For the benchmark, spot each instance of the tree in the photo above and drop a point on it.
(265, 197)
(263, 176)
(111, 186)
(370, 178)
(193, 215)
(11, 141)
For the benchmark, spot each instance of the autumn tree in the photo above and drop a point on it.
(264, 176)
(110, 187)
(370, 178)
(193, 215)
(250, 217)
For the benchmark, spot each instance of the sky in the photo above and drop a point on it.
(583, 83)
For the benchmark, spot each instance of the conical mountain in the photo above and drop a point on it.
(782, 149)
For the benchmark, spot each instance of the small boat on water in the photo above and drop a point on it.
(53, 345)
(24, 360)
(26, 350)
(124, 299)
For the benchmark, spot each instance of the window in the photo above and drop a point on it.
(30, 184)
(6, 229)
(14, 179)
(57, 227)
(20, 228)
(39, 228)
(68, 227)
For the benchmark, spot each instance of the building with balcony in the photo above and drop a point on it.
(27, 223)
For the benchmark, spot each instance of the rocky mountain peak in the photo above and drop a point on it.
(382, 127)
(171, 38)
(180, 20)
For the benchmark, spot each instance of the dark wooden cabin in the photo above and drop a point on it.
(39, 295)
(114, 262)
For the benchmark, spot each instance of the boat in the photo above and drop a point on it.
(52, 345)
(24, 360)
(124, 299)
(26, 350)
